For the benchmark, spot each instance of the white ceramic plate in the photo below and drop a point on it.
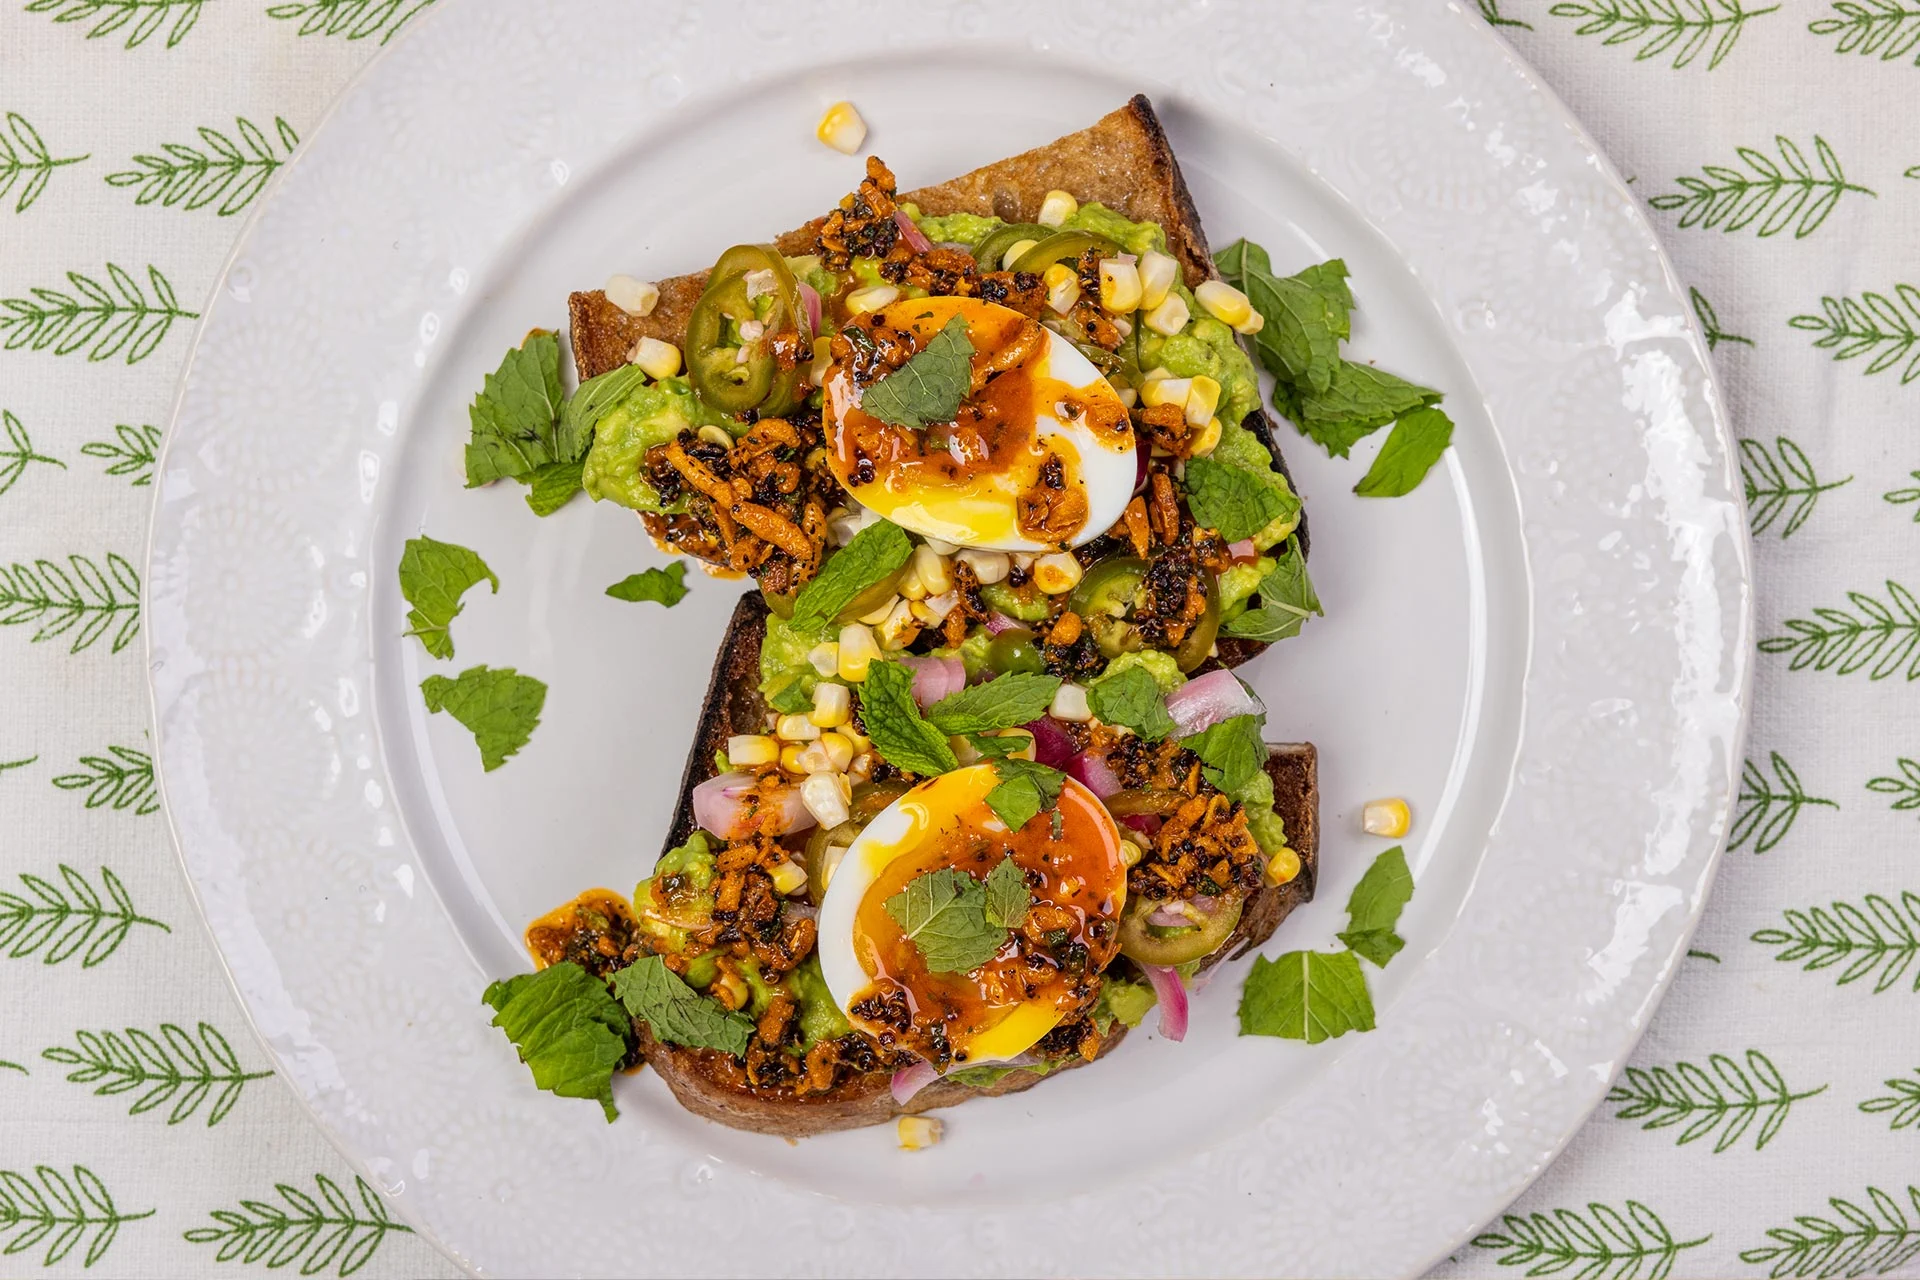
(1544, 648)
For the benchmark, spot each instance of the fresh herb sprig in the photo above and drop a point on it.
(928, 387)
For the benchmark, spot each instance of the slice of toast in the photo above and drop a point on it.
(701, 1079)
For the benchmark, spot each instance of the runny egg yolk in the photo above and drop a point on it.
(1039, 456)
(999, 1010)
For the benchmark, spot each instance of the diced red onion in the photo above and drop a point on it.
(730, 806)
(1167, 918)
(1092, 771)
(1244, 550)
(1051, 745)
(916, 238)
(1209, 699)
(958, 246)
(910, 1080)
(998, 622)
(1145, 823)
(1173, 1000)
(935, 678)
(810, 303)
(1140, 459)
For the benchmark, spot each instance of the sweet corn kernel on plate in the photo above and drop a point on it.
(1542, 651)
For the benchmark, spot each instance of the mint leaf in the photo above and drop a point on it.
(993, 1073)
(1360, 400)
(500, 706)
(1374, 908)
(552, 486)
(893, 721)
(592, 401)
(1287, 599)
(1024, 789)
(1231, 751)
(994, 747)
(1306, 995)
(1413, 446)
(791, 698)
(1003, 703)
(569, 1031)
(930, 386)
(944, 914)
(433, 577)
(875, 552)
(516, 417)
(1231, 501)
(1007, 895)
(1131, 697)
(678, 1014)
(662, 586)
(1306, 314)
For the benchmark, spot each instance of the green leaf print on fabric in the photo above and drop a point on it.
(1888, 28)
(1773, 194)
(1764, 815)
(1834, 639)
(1874, 325)
(134, 453)
(192, 178)
(1682, 28)
(1901, 1107)
(1605, 1243)
(86, 601)
(317, 1232)
(353, 19)
(1774, 482)
(23, 155)
(17, 452)
(1906, 786)
(139, 18)
(168, 1067)
(1490, 10)
(1856, 1241)
(1901, 496)
(51, 1209)
(1877, 940)
(1710, 322)
(57, 923)
(122, 779)
(1721, 1100)
(17, 764)
(112, 320)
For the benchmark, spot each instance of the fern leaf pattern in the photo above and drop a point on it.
(329, 1230)
(18, 452)
(1775, 482)
(1906, 786)
(1900, 497)
(351, 19)
(1856, 1241)
(1490, 10)
(86, 602)
(134, 453)
(1710, 322)
(1605, 1243)
(190, 177)
(1722, 1100)
(1776, 195)
(140, 19)
(1877, 638)
(116, 320)
(23, 155)
(168, 1067)
(1887, 28)
(121, 779)
(1901, 1107)
(1763, 814)
(58, 923)
(59, 1212)
(1683, 29)
(1885, 329)
(1876, 940)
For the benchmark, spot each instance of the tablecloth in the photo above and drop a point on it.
(1769, 1122)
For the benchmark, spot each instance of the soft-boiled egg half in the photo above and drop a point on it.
(1002, 1008)
(1040, 456)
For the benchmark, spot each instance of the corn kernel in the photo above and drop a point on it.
(831, 704)
(813, 758)
(1070, 703)
(824, 658)
(934, 609)
(931, 568)
(1015, 253)
(1156, 391)
(796, 728)
(963, 750)
(1283, 866)
(924, 614)
(635, 297)
(900, 627)
(829, 863)
(790, 758)
(825, 796)
(1386, 818)
(822, 361)
(719, 435)
(731, 990)
(656, 359)
(1202, 400)
(871, 298)
(1056, 572)
(917, 1133)
(1223, 302)
(1063, 288)
(839, 749)
(788, 877)
(988, 566)
(1253, 324)
(1157, 274)
(1130, 853)
(911, 588)
(862, 767)
(854, 736)
(1119, 286)
(1170, 317)
(1206, 441)
(1056, 208)
(942, 548)
(842, 128)
(746, 750)
(880, 614)
(1128, 396)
